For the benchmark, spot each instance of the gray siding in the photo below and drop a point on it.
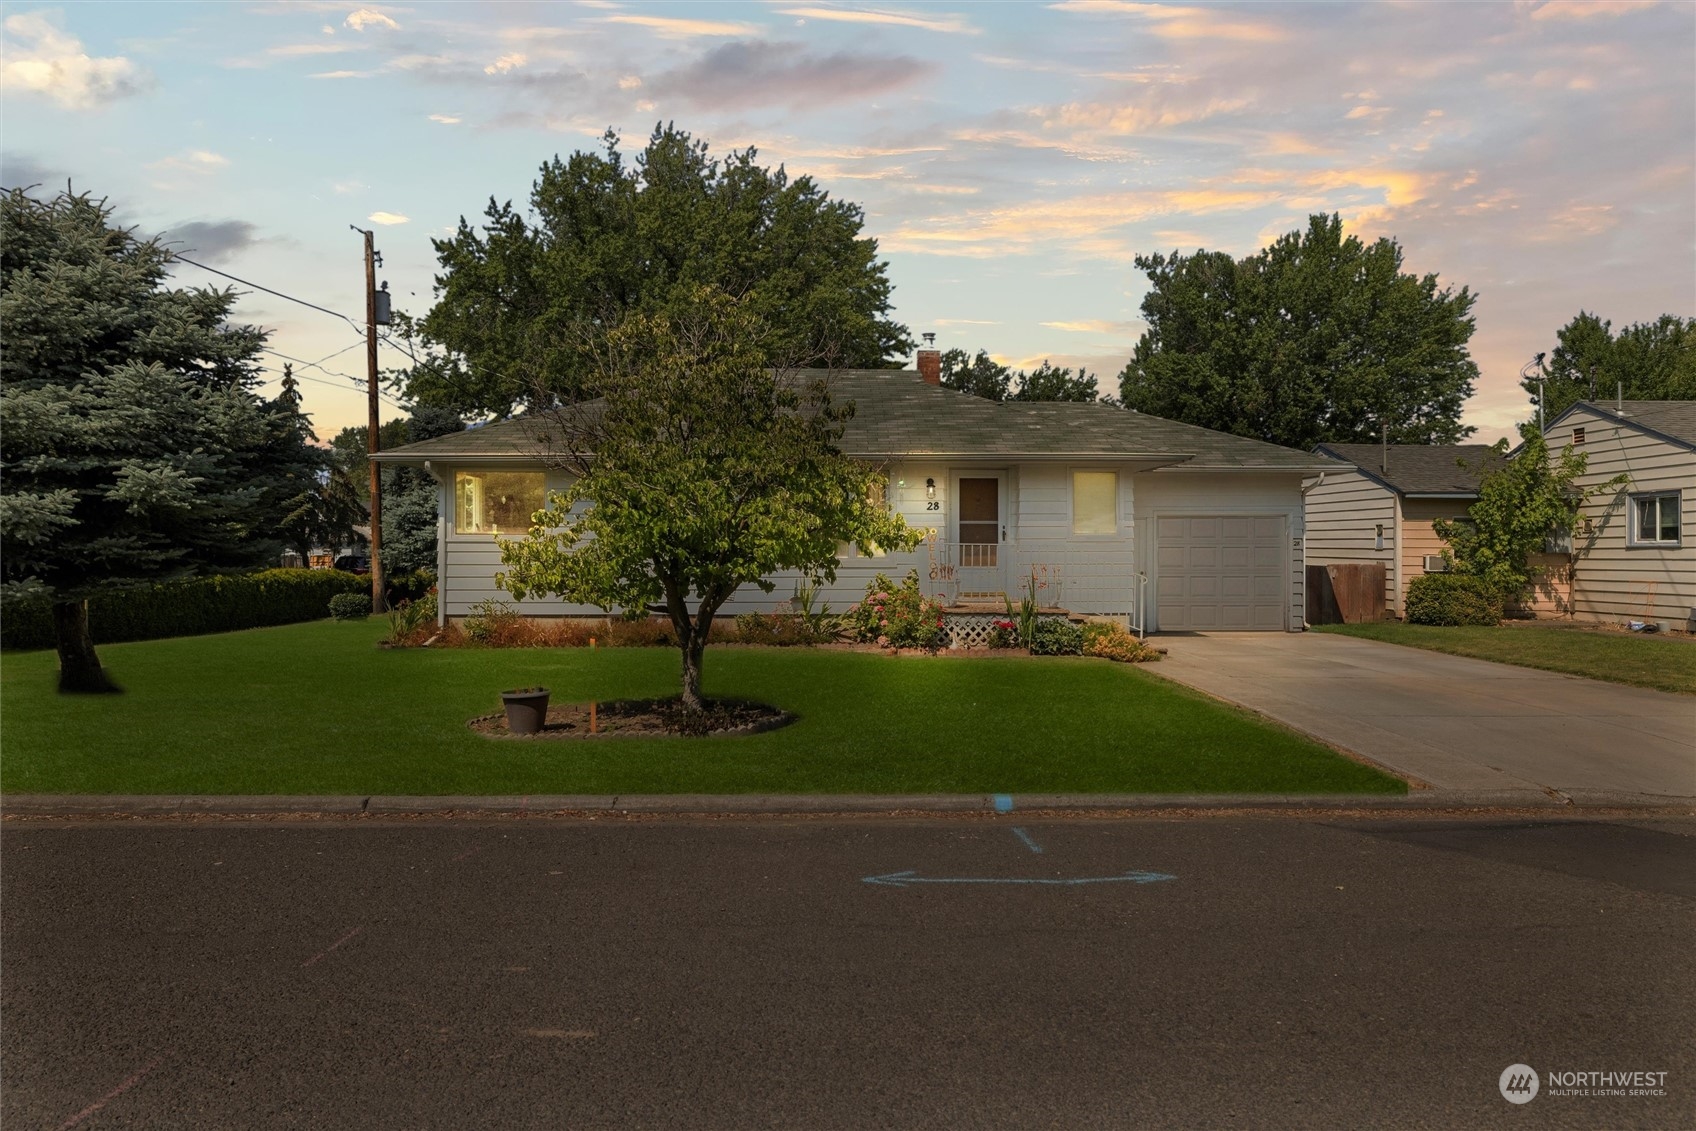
(1611, 579)
(1095, 574)
(1343, 513)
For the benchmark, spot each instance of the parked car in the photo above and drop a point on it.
(354, 563)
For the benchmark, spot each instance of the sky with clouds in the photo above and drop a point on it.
(1012, 159)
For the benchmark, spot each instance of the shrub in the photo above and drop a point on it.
(898, 616)
(1004, 634)
(1111, 642)
(1052, 636)
(782, 629)
(414, 585)
(191, 607)
(644, 632)
(350, 606)
(411, 622)
(495, 623)
(1453, 599)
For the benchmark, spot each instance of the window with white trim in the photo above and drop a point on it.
(497, 502)
(1095, 502)
(1655, 519)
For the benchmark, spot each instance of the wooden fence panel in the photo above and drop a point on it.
(1345, 594)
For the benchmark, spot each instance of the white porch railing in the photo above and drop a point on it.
(971, 573)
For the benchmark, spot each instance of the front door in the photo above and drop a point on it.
(981, 530)
(980, 521)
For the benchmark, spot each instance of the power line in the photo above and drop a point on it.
(319, 381)
(269, 291)
(357, 381)
(457, 387)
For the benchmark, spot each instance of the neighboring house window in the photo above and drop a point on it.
(1095, 502)
(1378, 537)
(497, 502)
(1656, 520)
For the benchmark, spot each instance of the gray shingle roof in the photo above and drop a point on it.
(1675, 420)
(1421, 469)
(898, 415)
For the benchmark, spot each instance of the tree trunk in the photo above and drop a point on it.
(692, 650)
(79, 667)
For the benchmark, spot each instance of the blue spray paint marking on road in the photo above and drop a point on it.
(903, 879)
(1004, 803)
(1026, 837)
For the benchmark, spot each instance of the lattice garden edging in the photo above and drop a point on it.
(972, 630)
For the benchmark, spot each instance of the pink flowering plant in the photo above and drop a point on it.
(898, 616)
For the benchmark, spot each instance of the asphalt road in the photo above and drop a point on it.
(729, 974)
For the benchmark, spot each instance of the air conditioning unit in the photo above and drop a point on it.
(1436, 563)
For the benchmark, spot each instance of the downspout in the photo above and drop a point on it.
(1315, 485)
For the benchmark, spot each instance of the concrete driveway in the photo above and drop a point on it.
(1449, 721)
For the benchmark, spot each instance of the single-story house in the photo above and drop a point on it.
(1167, 525)
(1630, 557)
(1378, 503)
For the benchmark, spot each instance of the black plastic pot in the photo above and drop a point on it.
(526, 709)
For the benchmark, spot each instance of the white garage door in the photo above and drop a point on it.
(1221, 573)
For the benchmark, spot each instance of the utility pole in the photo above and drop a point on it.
(373, 430)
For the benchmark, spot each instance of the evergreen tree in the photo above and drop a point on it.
(409, 498)
(134, 449)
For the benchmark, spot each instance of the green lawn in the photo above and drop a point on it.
(1646, 661)
(318, 708)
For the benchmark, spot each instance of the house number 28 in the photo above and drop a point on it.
(933, 505)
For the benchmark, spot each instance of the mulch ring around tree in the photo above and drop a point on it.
(649, 718)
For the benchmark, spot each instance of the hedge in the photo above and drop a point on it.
(188, 608)
(1452, 599)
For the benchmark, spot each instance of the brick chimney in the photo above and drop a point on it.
(930, 362)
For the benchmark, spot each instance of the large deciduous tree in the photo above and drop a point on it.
(605, 237)
(698, 469)
(1319, 338)
(983, 376)
(134, 447)
(1648, 361)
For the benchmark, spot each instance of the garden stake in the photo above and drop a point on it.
(591, 716)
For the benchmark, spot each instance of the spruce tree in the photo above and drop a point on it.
(135, 448)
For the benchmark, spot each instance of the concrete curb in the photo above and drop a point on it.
(1425, 800)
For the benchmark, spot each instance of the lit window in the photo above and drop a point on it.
(1095, 502)
(1657, 520)
(497, 502)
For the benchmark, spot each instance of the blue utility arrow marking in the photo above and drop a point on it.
(1026, 837)
(1004, 803)
(902, 879)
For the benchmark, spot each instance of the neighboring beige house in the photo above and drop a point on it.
(1168, 525)
(1378, 502)
(1630, 556)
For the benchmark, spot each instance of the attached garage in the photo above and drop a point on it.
(1221, 573)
